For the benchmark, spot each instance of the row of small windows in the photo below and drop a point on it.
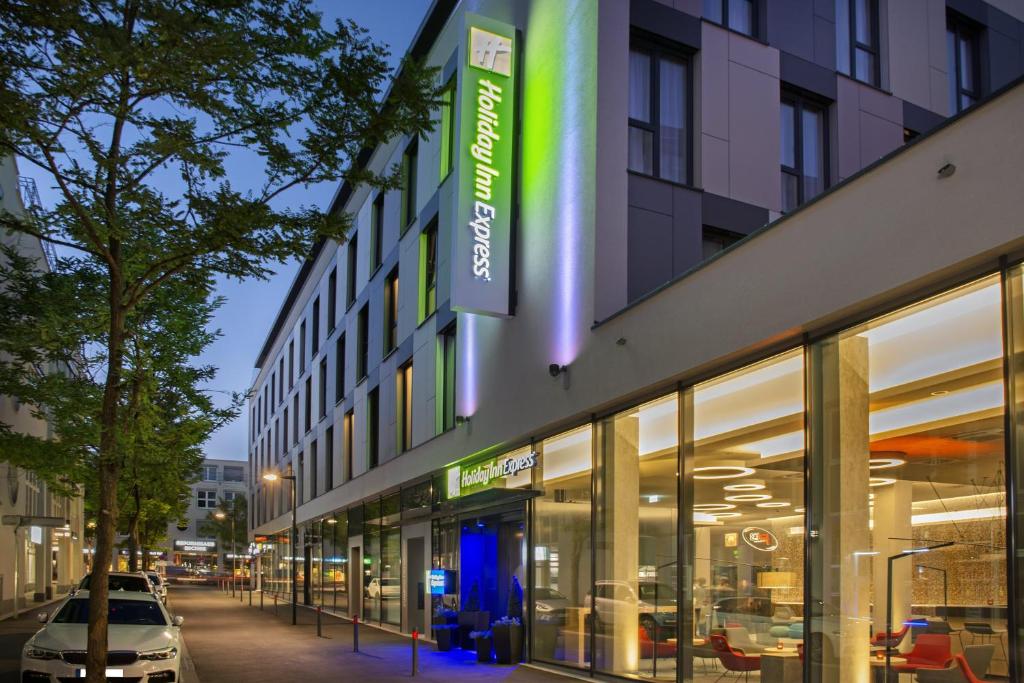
(660, 102)
(267, 454)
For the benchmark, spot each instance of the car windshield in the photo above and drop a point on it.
(649, 592)
(137, 612)
(547, 594)
(155, 578)
(121, 583)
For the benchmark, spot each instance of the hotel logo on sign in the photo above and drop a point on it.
(472, 478)
(490, 52)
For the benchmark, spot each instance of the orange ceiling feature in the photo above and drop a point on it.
(932, 446)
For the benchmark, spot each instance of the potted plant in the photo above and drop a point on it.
(508, 631)
(483, 641)
(471, 618)
(444, 625)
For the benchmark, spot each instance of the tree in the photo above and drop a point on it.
(135, 109)
(231, 516)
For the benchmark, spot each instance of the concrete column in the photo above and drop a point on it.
(892, 521)
(619, 552)
(844, 535)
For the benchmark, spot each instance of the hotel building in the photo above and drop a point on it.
(695, 318)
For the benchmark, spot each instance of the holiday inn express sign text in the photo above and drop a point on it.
(482, 235)
(463, 479)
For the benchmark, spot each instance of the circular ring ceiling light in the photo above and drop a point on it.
(884, 463)
(723, 470)
(774, 504)
(748, 497)
(877, 481)
(748, 485)
(726, 515)
(712, 507)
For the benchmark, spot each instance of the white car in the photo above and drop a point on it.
(144, 641)
(383, 588)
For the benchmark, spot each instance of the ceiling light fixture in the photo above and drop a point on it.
(723, 470)
(726, 515)
(884, 463)
(748, 485)
(748, 497)
(707, 507)
(881, 481)
(774, 504)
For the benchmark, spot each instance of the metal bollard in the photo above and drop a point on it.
(250, 596)
(318, 631)
(415, 651)
(261, 600)
(355, 633)
(275, 604)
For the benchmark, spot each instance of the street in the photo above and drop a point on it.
(229, 641)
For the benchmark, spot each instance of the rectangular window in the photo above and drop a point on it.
(329, 459)
(448, 128)
(322, 392)
(295, 418)
(302, 348)
(314, 465)
(234, 473)
(363, 342)
(300, 480)
(857, 42)
(446, 378)
(209, 473)
(659, 107)
(962, 63)
(428, 271)
(309, 404)
(373, 428)
(351, 256)
(273, 386)
(377, 232)
(349, 437)
(291, 364)
(403, 407)
(738, 15)
(339, 369)
(802, 150)
(284, 429)
(409, 184)
(332, 300)
(316, 326)
(206, 499)
(391, 312)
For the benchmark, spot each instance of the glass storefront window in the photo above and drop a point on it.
(744, 454)
(634, 604)
(390, 578)
(371, 561)
(562, 550)
(909, 501)
(335, 563)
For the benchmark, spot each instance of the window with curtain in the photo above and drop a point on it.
(857, 40)
(802, 150)
(962, 63)
(737, 15)
(659, 113)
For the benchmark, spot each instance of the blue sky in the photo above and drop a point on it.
(251, 306)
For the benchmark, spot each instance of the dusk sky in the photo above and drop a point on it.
(251, 306)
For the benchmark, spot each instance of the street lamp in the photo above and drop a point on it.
(289, 476)
(220, 514)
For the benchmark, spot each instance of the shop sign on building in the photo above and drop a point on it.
(195, 546)
(482, 241)
(466, 479)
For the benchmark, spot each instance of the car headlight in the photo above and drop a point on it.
(41, 653)
(543, 607)
(155, 655)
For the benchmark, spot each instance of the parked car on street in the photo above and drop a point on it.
(144, 640)
(383, 588)
(135, 582)
(654, 603)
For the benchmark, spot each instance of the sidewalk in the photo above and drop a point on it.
(230, 641)
(14, 632)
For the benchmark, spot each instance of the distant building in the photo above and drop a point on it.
(37, 563)
(196, 546)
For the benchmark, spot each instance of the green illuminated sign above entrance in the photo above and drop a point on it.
(482, 234)
(466, 479)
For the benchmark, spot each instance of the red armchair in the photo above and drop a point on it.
(800, 651)
(965, 669)
(931, 651)
(647, 646)
(734, 660)
(890, 640)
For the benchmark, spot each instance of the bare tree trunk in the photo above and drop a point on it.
(109, 471)
(133, 532)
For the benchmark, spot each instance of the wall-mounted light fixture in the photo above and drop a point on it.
(461, 420)
(946, 170)
(555, 369)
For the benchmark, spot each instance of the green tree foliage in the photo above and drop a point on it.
(136, 109)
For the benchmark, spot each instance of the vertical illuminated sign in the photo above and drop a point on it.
(482, 241)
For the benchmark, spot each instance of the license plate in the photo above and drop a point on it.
(111, 673)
